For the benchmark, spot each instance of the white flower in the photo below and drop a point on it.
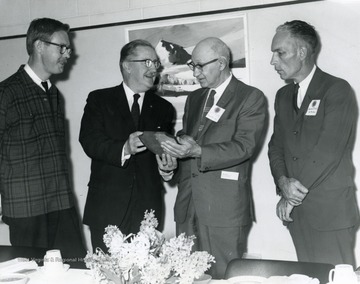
(147, 256)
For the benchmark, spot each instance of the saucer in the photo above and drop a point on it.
(65, 269)
(204, 279)
(13, 278)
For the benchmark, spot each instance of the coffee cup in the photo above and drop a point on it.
(53, 263)
(342, 273)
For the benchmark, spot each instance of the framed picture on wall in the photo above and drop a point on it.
(175, 39)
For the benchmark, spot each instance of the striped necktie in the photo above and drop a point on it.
(208, 106)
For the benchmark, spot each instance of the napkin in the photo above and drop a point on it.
(18, 265)
(292, 279)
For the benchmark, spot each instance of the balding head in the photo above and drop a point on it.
(211, 57)
(214, 46)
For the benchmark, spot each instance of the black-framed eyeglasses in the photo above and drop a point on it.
(148, 62)
(199, 66)
(63, 47)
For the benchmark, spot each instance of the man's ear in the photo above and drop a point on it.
(38, 46)
(126, 67)
(223, 62)
(303, 52)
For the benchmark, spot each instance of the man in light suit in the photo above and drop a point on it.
(125, 179)
(214, 200)
(311, 150)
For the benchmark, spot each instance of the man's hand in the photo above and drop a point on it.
(283, 210)
(292, 190)
(187, 147)
(134, 145)
(166, 163)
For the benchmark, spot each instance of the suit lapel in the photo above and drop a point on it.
(197, 105)
(223, 103)
(146, 109)
(122, 104)
(314, 92)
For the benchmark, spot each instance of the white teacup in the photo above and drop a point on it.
(342, 274)
(53, 263)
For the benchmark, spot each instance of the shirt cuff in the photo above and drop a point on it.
(166, 175)
(123, 156)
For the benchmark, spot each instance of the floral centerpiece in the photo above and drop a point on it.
(147, 257)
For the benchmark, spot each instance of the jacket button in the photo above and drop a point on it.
(296, 132)
(295, 158)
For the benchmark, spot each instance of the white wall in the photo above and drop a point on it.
(96, 66)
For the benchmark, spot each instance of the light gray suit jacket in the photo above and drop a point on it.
(227, 147)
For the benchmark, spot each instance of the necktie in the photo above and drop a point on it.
(135, 110)
(208, 106)
(295, 94)
(46, 87)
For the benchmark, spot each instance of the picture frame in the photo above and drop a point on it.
(174, 41)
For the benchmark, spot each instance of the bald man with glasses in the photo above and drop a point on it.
(125, 180)
(222, 125)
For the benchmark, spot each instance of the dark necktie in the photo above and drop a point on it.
(208, 106)
(135, 110)
(46, 87)
(295, 94)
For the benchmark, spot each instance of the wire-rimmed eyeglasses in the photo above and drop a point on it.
(148, 62)
(63, 47)
(199, 66)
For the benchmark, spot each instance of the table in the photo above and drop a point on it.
(76, 276)
(36, 254)
(272, 267)
(72, 276)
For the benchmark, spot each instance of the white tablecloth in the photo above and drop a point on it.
(72, 276)
(83, 276)
(76, 276)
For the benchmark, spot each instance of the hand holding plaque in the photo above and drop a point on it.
(153, 139)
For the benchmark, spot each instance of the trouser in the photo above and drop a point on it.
(224, 243)
(54, 230)
(335, 247)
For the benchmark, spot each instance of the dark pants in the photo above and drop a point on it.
(130, 223)
(55, 230)
(311, 245)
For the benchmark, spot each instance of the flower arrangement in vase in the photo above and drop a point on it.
(147, 257)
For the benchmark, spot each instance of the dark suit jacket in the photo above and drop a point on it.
(105, 127)
(227, 146)
(317, 150)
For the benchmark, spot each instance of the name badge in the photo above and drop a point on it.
(313, 108)
(215, 113)
(229, 175)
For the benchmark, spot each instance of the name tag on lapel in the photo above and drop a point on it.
(215, 113)
(229, 175)
(313, 108)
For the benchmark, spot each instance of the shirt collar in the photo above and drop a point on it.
(220, 89)
(130, 96)
(304, 84)
(35, 77)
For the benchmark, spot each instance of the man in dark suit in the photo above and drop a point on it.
(125, 179)
(219, 137)
(311, 150)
